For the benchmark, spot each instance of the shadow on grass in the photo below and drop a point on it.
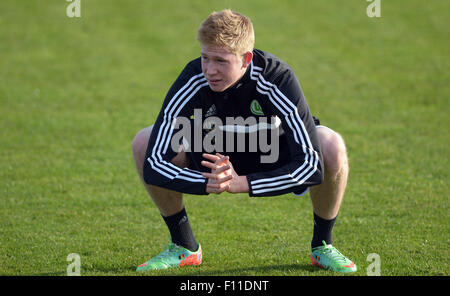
(59, 273)
(288, 269)
(263, 270)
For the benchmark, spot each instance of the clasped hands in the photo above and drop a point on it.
(223, 177)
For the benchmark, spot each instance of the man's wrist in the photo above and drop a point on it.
(243, 184)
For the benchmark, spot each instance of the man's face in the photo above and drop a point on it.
(221, 67)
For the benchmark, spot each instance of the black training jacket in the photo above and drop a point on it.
(269, 89)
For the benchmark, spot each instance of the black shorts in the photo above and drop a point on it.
(245, 163)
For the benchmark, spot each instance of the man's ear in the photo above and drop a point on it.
(248, 56)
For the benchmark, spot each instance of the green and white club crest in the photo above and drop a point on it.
(256, 109)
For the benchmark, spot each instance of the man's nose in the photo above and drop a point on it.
(211, 69)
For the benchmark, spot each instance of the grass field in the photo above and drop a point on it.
(75, 91)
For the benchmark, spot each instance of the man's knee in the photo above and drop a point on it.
(140, 143)
(333, 150)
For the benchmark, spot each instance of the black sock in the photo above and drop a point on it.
(180, 230)
(322, 231)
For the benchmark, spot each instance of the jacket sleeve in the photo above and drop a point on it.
(305, 167)
(158, 169)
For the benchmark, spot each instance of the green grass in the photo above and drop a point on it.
(74, 92)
